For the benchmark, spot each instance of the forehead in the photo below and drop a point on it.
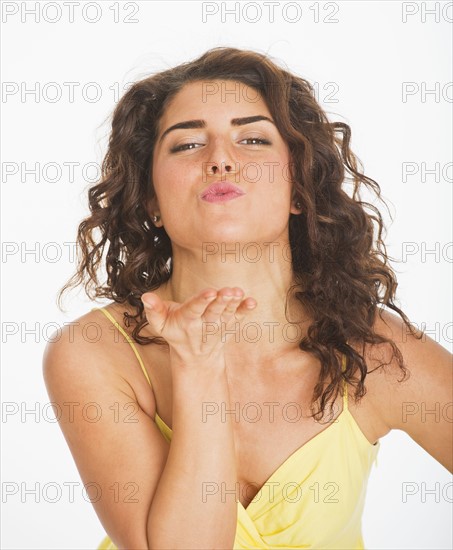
(203, 98)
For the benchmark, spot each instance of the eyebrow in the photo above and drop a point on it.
(188, 124)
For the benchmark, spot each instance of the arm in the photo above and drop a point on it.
(202, 455)
(151, 496)
(188, 509)
(123, 455)
(421, 405)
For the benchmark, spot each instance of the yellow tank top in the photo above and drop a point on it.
(315, 499)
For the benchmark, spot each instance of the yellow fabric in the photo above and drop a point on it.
(315, 499)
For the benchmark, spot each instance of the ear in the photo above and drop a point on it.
(154, 210)
(296, 202)
(296, 207)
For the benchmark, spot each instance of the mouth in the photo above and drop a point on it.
(222, 197)
(221, 191)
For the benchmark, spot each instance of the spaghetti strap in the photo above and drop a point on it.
(128, 339)
(345, 385)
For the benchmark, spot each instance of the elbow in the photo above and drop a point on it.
(128, 542)
(130, 536)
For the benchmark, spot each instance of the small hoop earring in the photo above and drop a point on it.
(155, 218)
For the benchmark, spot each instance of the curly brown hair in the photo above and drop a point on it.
(336, 263)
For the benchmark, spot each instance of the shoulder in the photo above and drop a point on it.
(420, 403)
(90, 351)
(79, 339)
(423, 357)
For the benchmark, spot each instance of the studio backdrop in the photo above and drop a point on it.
(383, 67)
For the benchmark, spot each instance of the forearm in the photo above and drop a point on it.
(189, 508)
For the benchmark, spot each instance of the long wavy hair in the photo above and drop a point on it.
(339, 262)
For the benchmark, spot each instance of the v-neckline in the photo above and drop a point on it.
(284, 463)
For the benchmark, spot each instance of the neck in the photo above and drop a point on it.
(263, 272)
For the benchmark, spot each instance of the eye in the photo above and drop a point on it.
(184, 147)
(258, 141)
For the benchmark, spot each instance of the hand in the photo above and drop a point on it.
(195, 328)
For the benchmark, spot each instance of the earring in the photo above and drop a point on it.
(155, 218)
(298, 205)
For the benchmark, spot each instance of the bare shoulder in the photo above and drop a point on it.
(79, 341)
(423, 357)
(91, 350)
(419, 403)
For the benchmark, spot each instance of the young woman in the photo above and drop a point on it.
(247, 286)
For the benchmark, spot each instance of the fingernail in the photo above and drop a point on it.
(148, 304)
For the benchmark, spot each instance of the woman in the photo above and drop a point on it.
(234, 249)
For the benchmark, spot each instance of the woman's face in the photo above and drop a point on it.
(183, 161)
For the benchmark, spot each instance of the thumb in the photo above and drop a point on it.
(155, 309)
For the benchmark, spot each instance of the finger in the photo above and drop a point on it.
(216, 308)
(194, 307)
(244, 308)
(232, 305)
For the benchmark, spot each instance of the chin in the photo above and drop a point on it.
(227, 234)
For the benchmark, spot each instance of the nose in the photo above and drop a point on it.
(222, 165)
(223, 170)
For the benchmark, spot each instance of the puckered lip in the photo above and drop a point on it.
(221, 188)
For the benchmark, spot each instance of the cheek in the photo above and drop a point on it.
(277, 178)
(168, 179)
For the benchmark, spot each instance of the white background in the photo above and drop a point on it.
(368, 55)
